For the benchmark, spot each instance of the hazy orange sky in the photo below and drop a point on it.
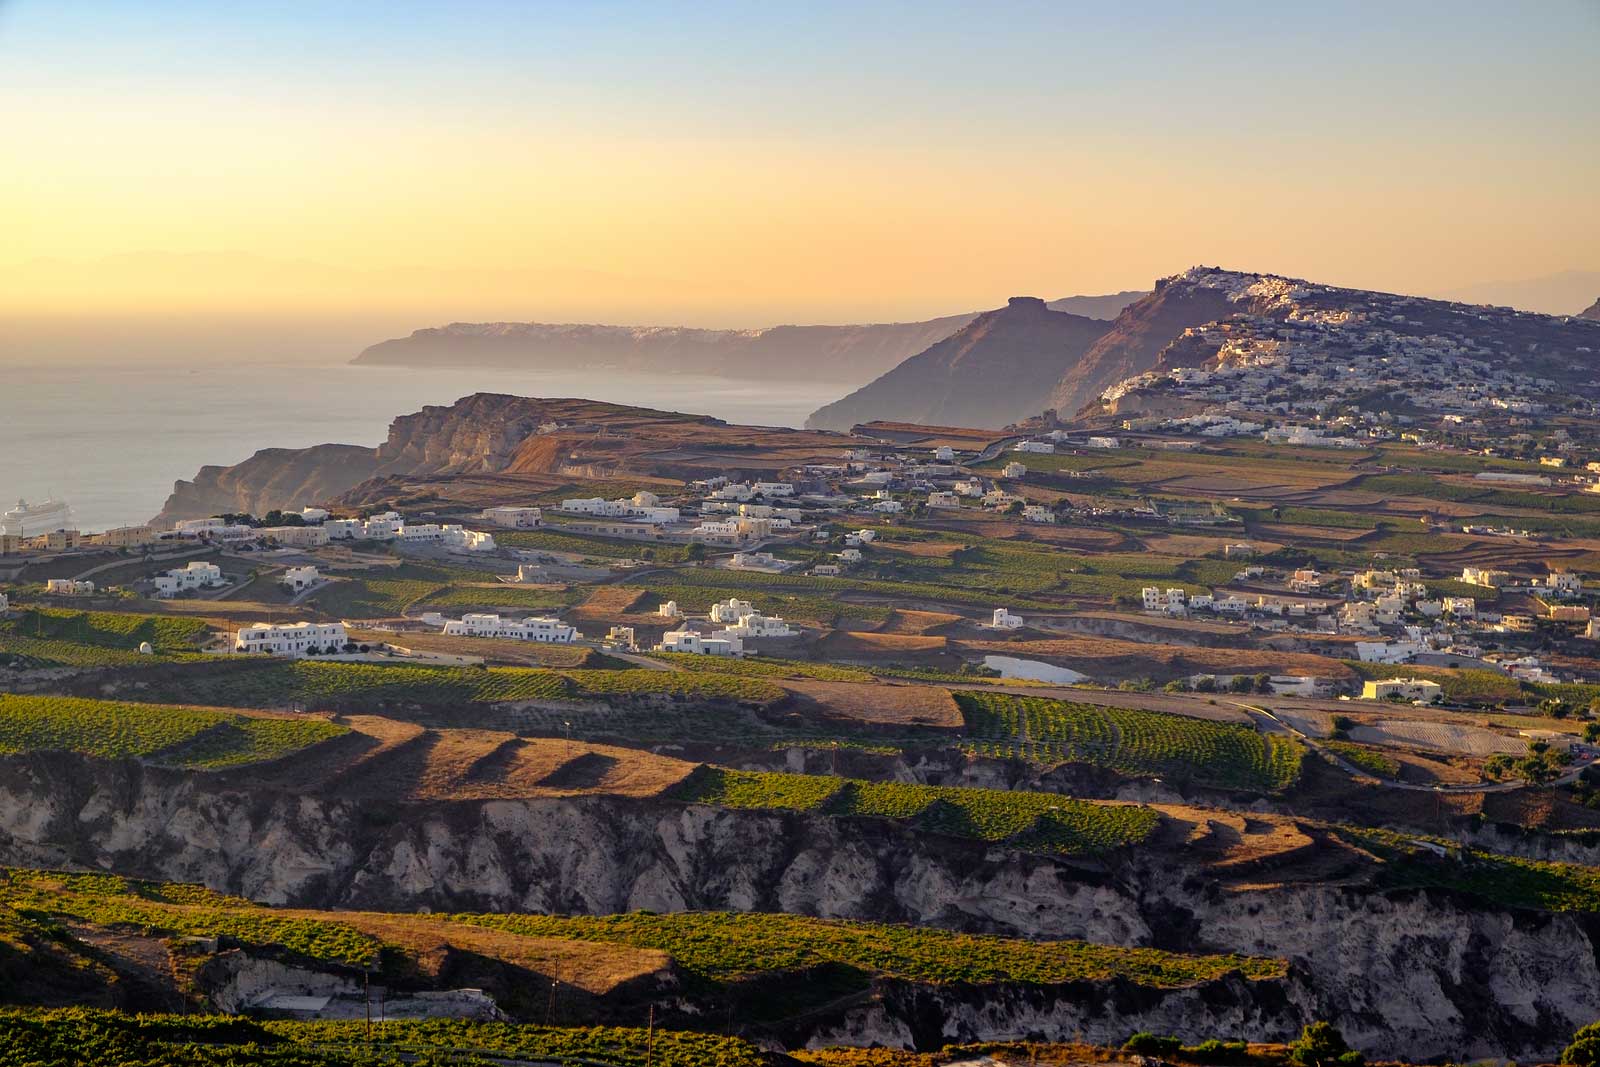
(733, 164)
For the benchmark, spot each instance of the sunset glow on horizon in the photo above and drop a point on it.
(724, 166)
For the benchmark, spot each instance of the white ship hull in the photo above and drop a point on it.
(35, 520)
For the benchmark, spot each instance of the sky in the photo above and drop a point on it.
(385, 166)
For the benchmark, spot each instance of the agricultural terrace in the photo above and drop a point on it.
(726, 946)
(336, 686)
(1042, 822)
(1506, 880)
(761, 668)
(49, 637)
(714, 946)
(1128, 740)
(113, 1039)
(199, 738)
(386, 593)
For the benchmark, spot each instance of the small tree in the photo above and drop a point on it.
(1242, 683)
(1322, 1045)
(1585, 1048)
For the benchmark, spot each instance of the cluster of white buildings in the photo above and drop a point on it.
(737, 620)
(643, 506)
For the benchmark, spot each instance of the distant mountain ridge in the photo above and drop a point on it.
(846, 354)
(1591, 312)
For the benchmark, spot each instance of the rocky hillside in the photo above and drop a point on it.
(494, 434)
(1591, 312)
(845, 354)
(1416, 973)
(991, 372)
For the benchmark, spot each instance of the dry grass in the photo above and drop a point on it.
(878, 704)
(916, 623)
(856, 646)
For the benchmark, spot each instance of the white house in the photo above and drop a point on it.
(1485, 576)
(292, 639)
(1461, 607)
(772, 489)
(944, 454)
(1041, 447)
(889, 507)
(1038, 513)
(543, 630)
(196, 527)
(972, 487)
(197, 575)
(68, 587)
(313, 516)
(669, 610)
(1564, 585)
(514, 518)
(297, 579)
(850, 555)
(1386, 651)
(1014, 470)
(1404, 688)
(754, 624)
(700, 644)
(1103, 442)
(941, 498)
(1004, 620)
(296, 536)
(345, 529)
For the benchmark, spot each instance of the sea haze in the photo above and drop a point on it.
(112, 438)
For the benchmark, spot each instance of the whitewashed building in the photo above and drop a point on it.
(68, 587)
(1014, 470)
(292, 639)
(701, 644)
(514, 518)
(1004, 620)
(1038, 513)
(543, 630)
(197, 575)
(295, 536)
(299, 579)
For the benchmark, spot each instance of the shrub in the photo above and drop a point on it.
(1322, 1045)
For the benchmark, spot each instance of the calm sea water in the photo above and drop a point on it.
(111, 439)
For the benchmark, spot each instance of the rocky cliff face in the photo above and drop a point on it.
(992, 372)
(482, 433)
(272, 478)
(1135, 340)
(1591, 312)
(1413, 974)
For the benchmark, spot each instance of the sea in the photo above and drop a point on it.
(111, 438)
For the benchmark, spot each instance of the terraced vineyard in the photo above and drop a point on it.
(600, 547)
(180, 910)
(48, 637)
(761, 668)
(76, 1036)
(181, 736)
(1042, 822)
(333, 686)
(724, 946)
(1127, 740)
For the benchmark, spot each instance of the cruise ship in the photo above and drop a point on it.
(33, 520)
